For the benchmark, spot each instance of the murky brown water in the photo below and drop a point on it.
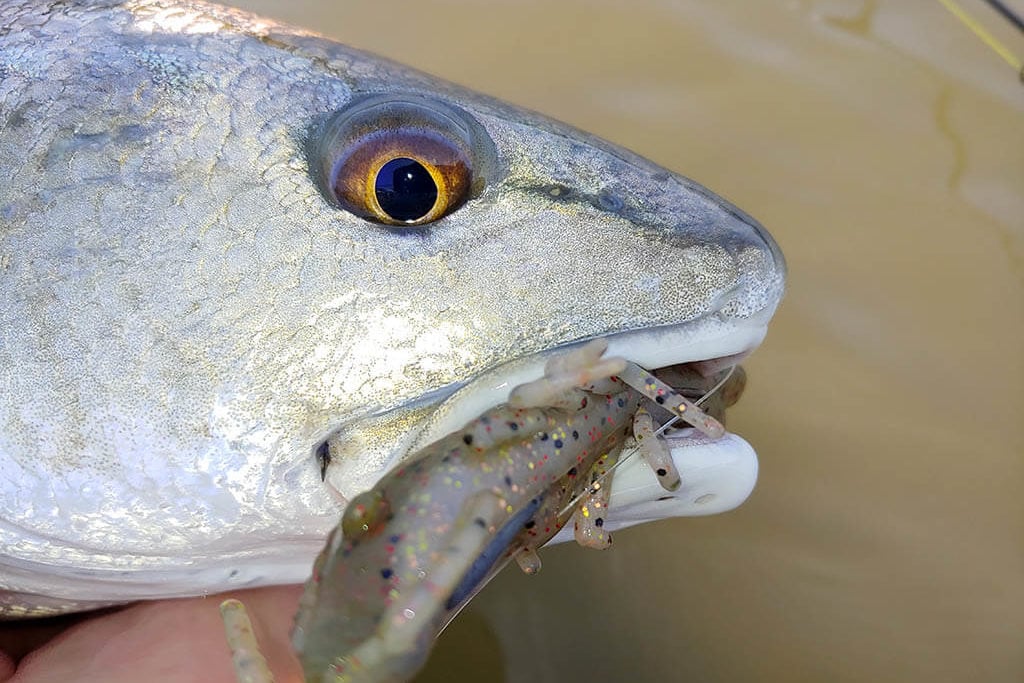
(883, 145)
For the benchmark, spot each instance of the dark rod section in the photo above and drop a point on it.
(1007, 13)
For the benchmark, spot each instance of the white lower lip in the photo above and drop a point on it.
(653, 348)
(717, 476)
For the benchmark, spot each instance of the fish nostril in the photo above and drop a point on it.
(610, 202)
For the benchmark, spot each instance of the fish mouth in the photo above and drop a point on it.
(704, 347)
(683, 353)
(699, 359)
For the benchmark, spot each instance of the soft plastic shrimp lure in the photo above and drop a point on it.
(412, 551)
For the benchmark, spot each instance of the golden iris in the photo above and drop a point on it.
(404, 176)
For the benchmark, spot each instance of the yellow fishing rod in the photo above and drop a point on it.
(994, 43)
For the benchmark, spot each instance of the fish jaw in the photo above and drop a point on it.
(186, 317)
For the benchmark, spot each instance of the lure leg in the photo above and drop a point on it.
(589, 518)
(250, 666)
(654, 451)
(565, 375)
(528, 560)
(671, 400)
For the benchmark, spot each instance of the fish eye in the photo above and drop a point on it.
(403, 176)
(404, 161)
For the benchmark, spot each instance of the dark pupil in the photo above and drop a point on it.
(405, 189)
